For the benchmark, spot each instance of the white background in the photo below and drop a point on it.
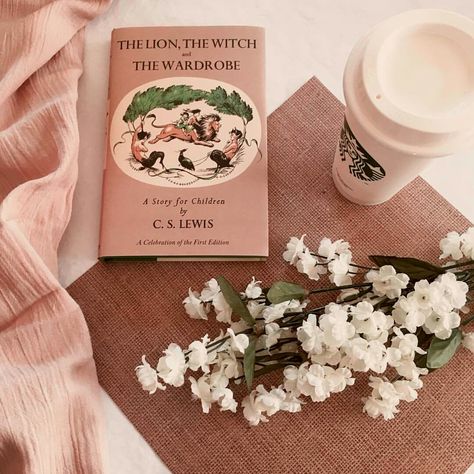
(304, 38)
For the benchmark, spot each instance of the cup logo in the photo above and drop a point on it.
(362, 166)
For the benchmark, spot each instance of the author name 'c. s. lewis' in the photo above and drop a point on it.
(183, 223)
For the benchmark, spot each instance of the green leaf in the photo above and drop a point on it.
(441, 351)
(233, 298)
(144, 102)
(249, 361)
(230, 104)
(283, 291)
(414, 268)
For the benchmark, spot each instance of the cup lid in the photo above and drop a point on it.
(410, 82)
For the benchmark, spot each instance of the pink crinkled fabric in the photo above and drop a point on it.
(50, 417)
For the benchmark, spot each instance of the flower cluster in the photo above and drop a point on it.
(433, 306)
(457, 246)
(399, 320)
(334, 258)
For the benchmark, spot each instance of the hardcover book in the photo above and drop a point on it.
(185, 173)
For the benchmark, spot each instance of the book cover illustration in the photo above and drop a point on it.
(185, 132)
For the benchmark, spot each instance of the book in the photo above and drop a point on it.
(185, 174)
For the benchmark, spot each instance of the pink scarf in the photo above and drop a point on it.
(50, 419)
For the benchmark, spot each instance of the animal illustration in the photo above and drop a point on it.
(221, 160)
(152, 159)
(204, 131)
(184, 161)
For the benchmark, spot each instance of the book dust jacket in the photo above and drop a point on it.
(185, 173)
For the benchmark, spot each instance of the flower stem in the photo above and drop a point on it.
(352, 264)
(457, 265)
(281, 342)
(467, 321)
(337, 288)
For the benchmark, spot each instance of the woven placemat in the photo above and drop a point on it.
(132, 308)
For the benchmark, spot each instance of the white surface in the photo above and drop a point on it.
(304, 38)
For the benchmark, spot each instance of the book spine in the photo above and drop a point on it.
(107, 137)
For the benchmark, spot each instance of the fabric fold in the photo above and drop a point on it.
(50, 414)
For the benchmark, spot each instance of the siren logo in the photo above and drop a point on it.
(362, 166)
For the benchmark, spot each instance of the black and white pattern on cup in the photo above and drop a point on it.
(363, 166)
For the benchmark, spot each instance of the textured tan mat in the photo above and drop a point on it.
(132, 308)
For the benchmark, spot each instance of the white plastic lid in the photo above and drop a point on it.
(410, 83)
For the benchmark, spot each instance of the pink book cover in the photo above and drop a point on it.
(185, 173)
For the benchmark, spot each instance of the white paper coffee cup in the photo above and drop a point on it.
(409, 91)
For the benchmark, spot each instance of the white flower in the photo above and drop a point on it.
(291, 376)
(253, 409)
(408, 369)
(238, 342)
(442, 324)
(198, 357)
(338, 379)
(308, 264)
(253, 289)
(295, 247)
(372, 324)
(330, 356)
(218, 378)
(223, 309)
(329, 249)
(450, 246)
(225, 399)
(295, 378)
(172, 366)
(424, 294)
(406, 345)
(407, 389)
(211, 290)
(439, 302)
(383, 400)
(202, 391)
(291, 403)
(468, 340)
(276, 311)
(310, 335)
(387, 282)
(362, 355)
(255, 309)
(229, 364)
(194, 307)
(339, 268)
(337, 330)
(386, 396)
(375, 407)
(148, 377)
(272, 334)
(454, 291)
(315, 384)
(467, 246)
(408, 313)
(271, 401)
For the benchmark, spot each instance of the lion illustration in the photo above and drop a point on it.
(204, 131)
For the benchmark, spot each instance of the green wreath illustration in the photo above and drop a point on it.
(203, 131)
